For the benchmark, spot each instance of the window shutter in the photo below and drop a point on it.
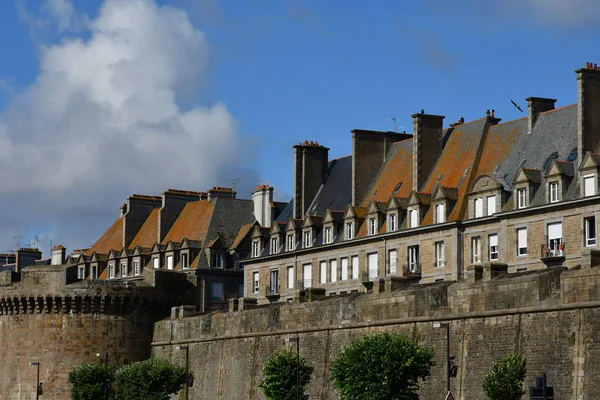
(478, 208)
(522, 238)
(555, 231)
(491, 205)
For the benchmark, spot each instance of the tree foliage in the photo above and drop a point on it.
(505, 380)
(279, 376)
(152, 379)
(87, 381)
(386, 366)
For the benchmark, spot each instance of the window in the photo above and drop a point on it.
(344, 265)
(589, 185)
(136, 267)
(491, 205)
(413, 218)
(169, 262)
(217, 260)
(255, 281)
(554, 192)
(123, 269)
(94, 272)
(522, 242)
(240, 291)
(323, 272)
(478, 208)
(521, 198)
(290, 277)
(334, 271)
(274, 245)
(216, 291)
(349, 230)
(328, 235)
(440, 213)
(81, 273)
(413, 258)
(372, 226)
(274, 281)
(155, 262)
(184, 261)
(307, 275)
(111, 271)
(290, 242)
(372, 265)
(555, 242)
(391, 223)
(354, 267)
(476, 250)
(589, 228)
(493, 247)
(256, 248)
(440, 257)
(393, 260)
(307, 239)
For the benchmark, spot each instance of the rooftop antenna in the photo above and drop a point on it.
(396, 127)
(233, 181)
(35, 242)
(17, 242)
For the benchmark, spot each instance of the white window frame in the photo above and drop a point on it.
(373, 265)
(553, 188)
(440, 213)
(344, 268)
(155, 262)
(328, 235)
(372, 226)
(491, 205)
(94, 272)
(217, 260)
(123, 269)
(274, 280)
(307, 239)
(393, 261)
(440, 255)
(349, 230)
(522, 198)
(274, 245)
(169, 262)
(307, 277)
(256, 248)
(291, 276)
(493, 249)
(413, 218)
(333, 275)
(522, 242)
(355, 266)
(255, 281)
(184, 261)
(588, 239)
(111, 271)
(413, 257)
(290, 242)
(136, 267)
(476, 249)
(81, 272)
(392, 226)
(591, 191)
(478, 207)
(555, 242)
(323, 272)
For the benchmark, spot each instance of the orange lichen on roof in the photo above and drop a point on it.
(498, 143)
(244, 229)
(192, 222)
(148, 233)
(111, 239)
(397, 169)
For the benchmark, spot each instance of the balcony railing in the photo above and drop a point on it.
(552, 250)
(305, 284)
(272, 290)
(411, 269)
(370, 275)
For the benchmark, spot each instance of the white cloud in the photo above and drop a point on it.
(102, 120)
(63, 11)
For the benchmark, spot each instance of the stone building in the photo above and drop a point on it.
(470, 200)
(180, 231)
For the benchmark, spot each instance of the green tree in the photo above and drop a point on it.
(386, 366)
(279, 376)
(88, 381)
(505, 380)
(152, 379)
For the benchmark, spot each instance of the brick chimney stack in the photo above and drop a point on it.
(588, 110)
(536, 106)
(26, 257)
(427, 145)
(139, 206)
(262, 197)
(310, 169)
(58, 255)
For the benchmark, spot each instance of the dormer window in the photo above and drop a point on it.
(155, 262)
(136, 266)
(521, 198)
(256, 248)
(217, 260)
(372, 226)
(349, 230)
(184, 261)
(111, 271)
(491, 205)
(290, 241)
(328, 235)
(589, 185)
(391, 223)
(554, 192)
(440, 213)
(413, 218)
(123, 269)
(274, 245)
(81, 272)
(307, 239)
(478, 207)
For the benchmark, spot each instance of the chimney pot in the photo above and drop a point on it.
(422, 111)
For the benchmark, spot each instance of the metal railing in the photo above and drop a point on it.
(411, 269)
(272, 290)
(552, 250)
(305, 284)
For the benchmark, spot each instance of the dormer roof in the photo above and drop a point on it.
(564, 168)
(533, 175)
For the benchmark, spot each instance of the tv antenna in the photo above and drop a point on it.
(17, 242)
(233, 182)
(35, 242)
(396, 127)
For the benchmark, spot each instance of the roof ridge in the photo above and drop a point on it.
(559, 108)
(339, 158)
(508, 122)
(530, 169)
(466, 123)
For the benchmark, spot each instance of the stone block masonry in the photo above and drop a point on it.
(543, 314)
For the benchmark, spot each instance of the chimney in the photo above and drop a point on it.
(223, 192)
(26, 257)
(58, 255)
(427, 145)
(588, 110)
(123, 209)
(310, 168)
(139, 206)
(173, 202)
(369, 152)
(262, 197)
(536, 106)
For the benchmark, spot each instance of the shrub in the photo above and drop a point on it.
(279, 376)
(505, 380)
(88, 381)
(153, 379)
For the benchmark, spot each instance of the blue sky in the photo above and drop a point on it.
(294, 70)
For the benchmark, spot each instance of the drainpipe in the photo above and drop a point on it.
(384, 257)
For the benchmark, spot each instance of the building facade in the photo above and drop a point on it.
(470, 200)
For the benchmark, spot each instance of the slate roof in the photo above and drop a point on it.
(336, 191)
(111, 239)
(148, 233)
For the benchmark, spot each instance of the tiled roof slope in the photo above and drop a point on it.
(498, 144)
(227, 217)
(397, 169)
(241, 235)
(111, 239)
(148, 233)
(192, 223)
(336, 192)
